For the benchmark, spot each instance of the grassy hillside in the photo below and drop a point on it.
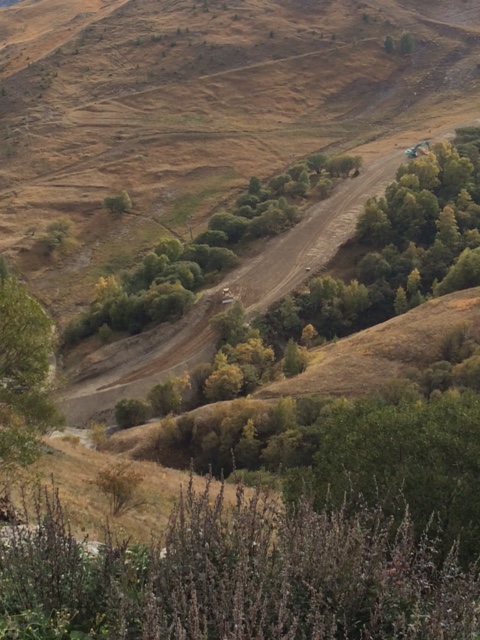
(74, 468)
(356, 366)
(360, 364)
(181, 103)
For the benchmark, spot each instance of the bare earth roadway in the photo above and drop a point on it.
(259, 282)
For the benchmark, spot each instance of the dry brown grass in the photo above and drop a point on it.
(360, 364)
(183, 127)
(74, 469)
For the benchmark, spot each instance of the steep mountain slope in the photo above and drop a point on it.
(180, 104)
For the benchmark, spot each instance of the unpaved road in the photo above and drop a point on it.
(130, 368)
(259, 282)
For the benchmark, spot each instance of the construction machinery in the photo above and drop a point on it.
(420, 148)
(227, 296)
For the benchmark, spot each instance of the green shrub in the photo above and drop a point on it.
(118, 204)
(57, 237)
(130, 412)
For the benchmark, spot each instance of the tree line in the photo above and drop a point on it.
(163, 287)
(421, 239)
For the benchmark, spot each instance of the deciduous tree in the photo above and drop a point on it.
(26, 342)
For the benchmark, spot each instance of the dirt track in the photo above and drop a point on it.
(132, 367)
(258, 283)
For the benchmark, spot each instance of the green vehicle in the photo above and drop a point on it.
(423, 147)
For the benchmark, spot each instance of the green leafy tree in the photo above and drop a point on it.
(130, 412)
(414, 281)
(286, 450)
(426, 169)
(234, 227)
(472, 238)
(166, 397)
(373, 226)
(296, 170)
(247, 450)
(457, 174)
(277, 183)
(26, 334)
(309, 333)
(170, 247)
(447, 228)
(231, 326)
(324, 186)
(416, 300)
(294, 360)
(456, 344)
(373, 267)
(212, 238)
(283, 416)
(401, 302)
(406, 216)
(224, 384)
(251, 352)
(407, 43)
(58, 237)
(465, 273)
(26, 338)
(288, 312)
(467, 373)
(254, 186)
(355, 300)
(317, 161)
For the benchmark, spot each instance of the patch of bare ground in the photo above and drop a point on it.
(360, 364)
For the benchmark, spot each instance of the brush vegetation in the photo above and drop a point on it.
(254, 570)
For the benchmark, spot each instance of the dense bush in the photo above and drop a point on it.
(118, 204)
(58, 237)
(427, 451)
(251, 571)
(130, 412)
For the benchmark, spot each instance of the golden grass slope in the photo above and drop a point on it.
(73, 469)
(360, 364)
(180, 103)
